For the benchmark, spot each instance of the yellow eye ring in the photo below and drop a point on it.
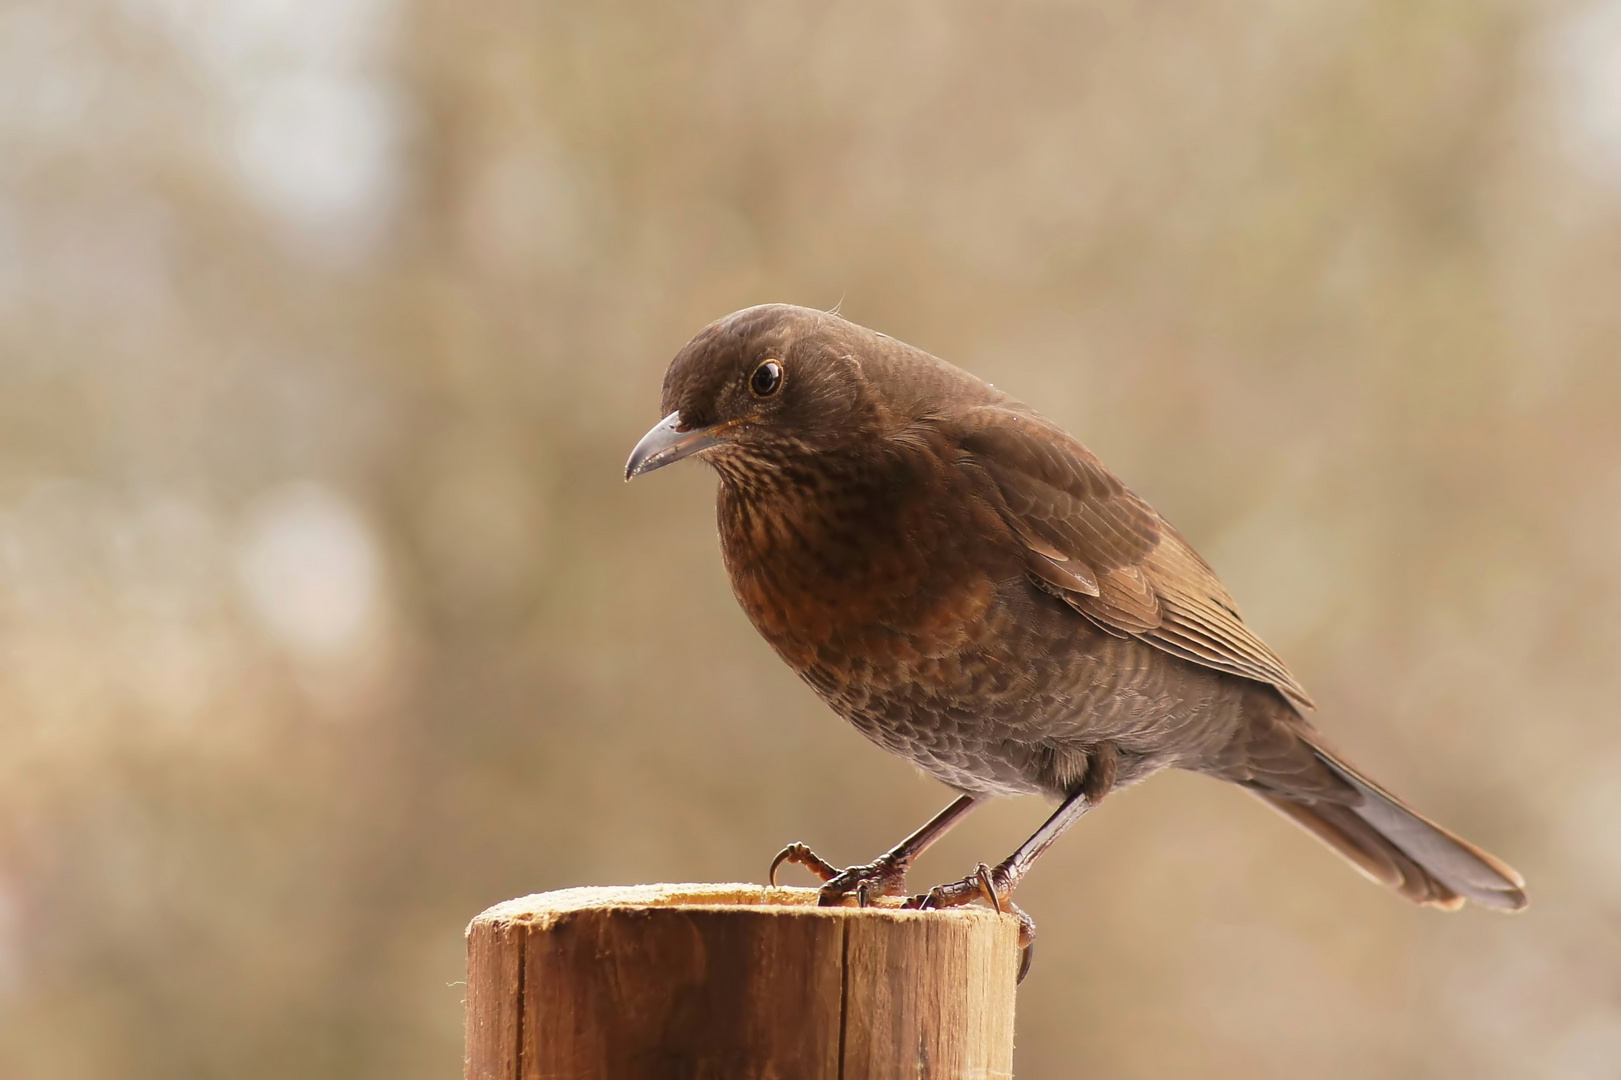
(767, 379)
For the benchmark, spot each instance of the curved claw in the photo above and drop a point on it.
(802, 855)
(1027, 940)
(987, 887)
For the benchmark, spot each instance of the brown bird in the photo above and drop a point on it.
(969, 586)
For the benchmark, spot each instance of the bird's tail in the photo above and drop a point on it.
(1393, 844)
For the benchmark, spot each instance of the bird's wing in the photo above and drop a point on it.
(1106, 552)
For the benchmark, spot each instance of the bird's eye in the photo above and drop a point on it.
(767, 379)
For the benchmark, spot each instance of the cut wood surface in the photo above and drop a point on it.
(736, 981)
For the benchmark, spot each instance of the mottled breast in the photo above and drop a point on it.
(847, 566)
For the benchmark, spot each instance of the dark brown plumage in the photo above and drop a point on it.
(971, 588)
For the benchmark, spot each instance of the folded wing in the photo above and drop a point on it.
(1106, 552)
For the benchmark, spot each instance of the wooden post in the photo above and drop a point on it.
(715, 982)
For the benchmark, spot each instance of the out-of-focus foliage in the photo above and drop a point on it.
(326, 621)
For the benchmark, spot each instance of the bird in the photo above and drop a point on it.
(965, 583)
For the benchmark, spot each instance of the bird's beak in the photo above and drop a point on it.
(668, 442)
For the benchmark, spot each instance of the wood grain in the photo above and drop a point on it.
(736, 981)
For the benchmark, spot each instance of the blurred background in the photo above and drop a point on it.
(326, 620)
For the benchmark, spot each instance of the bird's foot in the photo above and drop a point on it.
(801, 855)
(995, 887)
(885, 876)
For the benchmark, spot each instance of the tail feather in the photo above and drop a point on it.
(1397, 846)
(1366, 849)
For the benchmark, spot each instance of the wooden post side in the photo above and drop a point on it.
(938, 995)
(735, 981)
(494, 998)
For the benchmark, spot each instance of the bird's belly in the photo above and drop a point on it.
(978, 680)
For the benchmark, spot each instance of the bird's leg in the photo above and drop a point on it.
(997, 885)
(885, 875)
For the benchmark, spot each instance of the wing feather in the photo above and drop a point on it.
(1106, 552)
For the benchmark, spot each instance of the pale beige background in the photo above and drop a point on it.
(325, 619)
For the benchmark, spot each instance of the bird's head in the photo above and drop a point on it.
(761, 386)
